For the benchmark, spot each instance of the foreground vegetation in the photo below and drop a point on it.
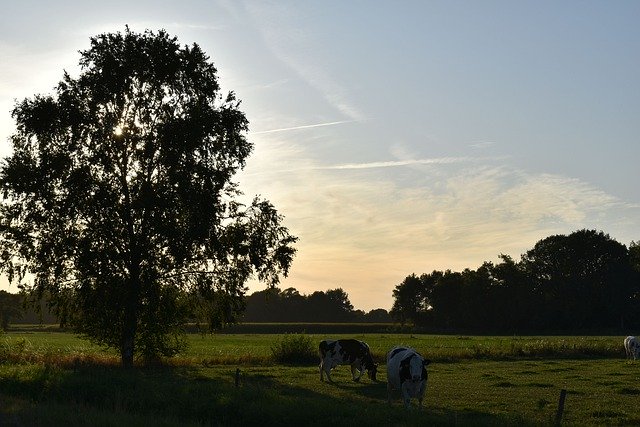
(53, 378)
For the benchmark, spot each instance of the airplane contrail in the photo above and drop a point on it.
(302, 127)
(396, 163)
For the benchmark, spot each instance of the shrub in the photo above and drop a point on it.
(294, 349)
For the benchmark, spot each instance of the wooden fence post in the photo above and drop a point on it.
(563, 395)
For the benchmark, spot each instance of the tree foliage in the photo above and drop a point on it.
(119, 201)
(582, 281)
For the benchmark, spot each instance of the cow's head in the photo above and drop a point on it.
(372, 371)
(414, 367)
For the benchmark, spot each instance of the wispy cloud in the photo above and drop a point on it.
(398, 163)
(483, 144)
(316, 125)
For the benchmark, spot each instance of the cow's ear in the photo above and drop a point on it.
(425, 362)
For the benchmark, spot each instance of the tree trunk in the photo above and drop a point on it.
(130, 324)
(127, 348)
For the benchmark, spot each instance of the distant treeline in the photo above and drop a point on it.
(14, 310)
(577, 283)
(585, 281)
(288, 305)
(268, 306)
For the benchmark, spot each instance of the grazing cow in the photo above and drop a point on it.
(407, 372)
(632, 347)
(346, 352)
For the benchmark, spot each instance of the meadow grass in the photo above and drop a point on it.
(55, 378)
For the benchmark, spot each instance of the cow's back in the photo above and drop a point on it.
(352, 350)
(326, 346)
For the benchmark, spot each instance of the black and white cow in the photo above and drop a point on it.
(632, 347)
(346, 352)
(407, 372)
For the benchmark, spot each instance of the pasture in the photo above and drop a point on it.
(54, 378)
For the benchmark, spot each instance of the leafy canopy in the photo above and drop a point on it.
(118, 200)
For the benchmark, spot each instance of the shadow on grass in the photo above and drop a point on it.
(375, 394)
(183, 396)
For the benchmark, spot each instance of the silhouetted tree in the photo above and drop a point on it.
(378, 315)
(409, 300)
(634, 255)
(118, 197)
(290, 306)
(10, 308)
(513, 304)
(583, 279)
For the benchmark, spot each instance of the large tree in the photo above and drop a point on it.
(584, 280)
(118, 200)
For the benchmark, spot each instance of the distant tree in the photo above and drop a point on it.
(409, 300)
(631, 318)
(513, 303)
(477, 310)
(583, 280)
(262, 305)
(290, 306)
(330, 306)
(293, 306)
(634, 255)
(378, 315)
(340, 299)
(10, 309)
(447, 300)
(118, 198)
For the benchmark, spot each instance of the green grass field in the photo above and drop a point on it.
(54, 378)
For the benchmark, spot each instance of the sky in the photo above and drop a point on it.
(395, 137)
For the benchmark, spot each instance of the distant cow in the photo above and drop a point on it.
(346, 352)
(407, 372)
(632, 347)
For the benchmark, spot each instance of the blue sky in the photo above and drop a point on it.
(396, 137)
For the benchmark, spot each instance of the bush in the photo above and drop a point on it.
(294, 349)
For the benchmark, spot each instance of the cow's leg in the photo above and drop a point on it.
(325, 367)
(421, 394)
(328, 372)
(405, 396)
(356, 367)
(328, 366)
